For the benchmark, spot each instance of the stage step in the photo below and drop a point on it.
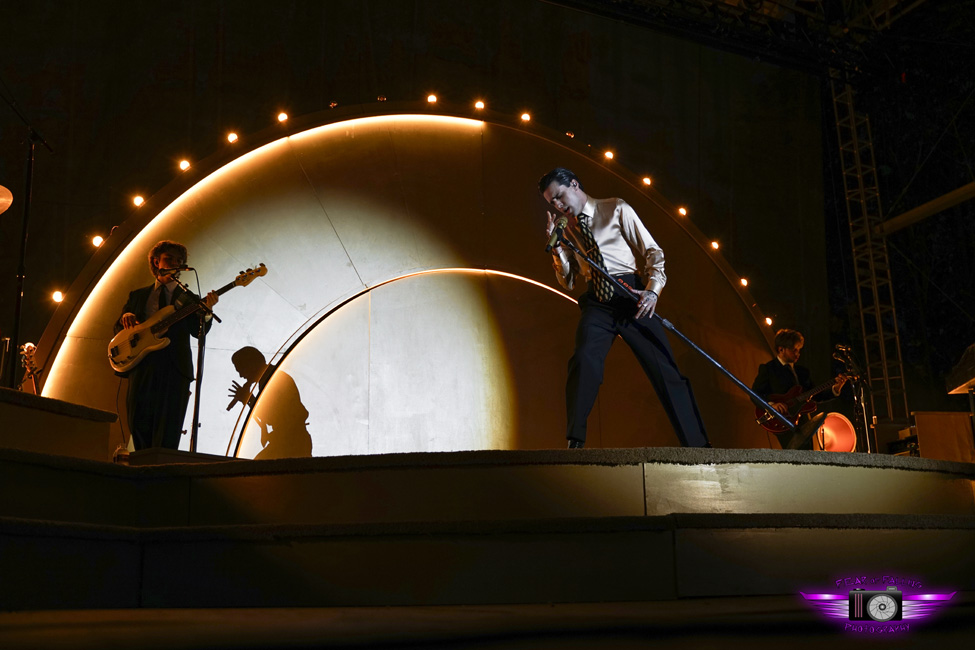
(480, 486)
(80, 566)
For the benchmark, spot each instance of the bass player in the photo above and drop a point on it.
(159, 386)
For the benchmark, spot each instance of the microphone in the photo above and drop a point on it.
(842, 348)
(181, 267)
(560, 225)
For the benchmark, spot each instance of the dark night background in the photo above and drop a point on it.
(124, 90)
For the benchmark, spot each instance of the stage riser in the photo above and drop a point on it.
(577, 561)
(507, 488)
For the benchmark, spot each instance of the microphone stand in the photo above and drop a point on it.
(628, 291)
(201, 339)
(33, 137)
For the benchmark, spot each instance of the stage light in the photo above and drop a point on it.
(333, 104)
(231, 138)
(714, 245)
(138, 200)
(381, 98)
(432, 99)
(525, 117)
(570, 134)
(682, 211)
(768, 321)
(744, 282)
(97, 241)
(608, 154)
(479, 105)
(184, 164)
(57, 296)
(647, 181)
(282, 117)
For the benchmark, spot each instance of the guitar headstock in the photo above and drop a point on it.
(246, 277)
(27, 351)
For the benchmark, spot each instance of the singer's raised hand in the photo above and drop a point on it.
(550, 226)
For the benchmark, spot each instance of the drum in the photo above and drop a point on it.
(835, 434)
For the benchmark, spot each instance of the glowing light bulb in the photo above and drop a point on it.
(714, 245)
(647, 181)
(744, 282)
(682, 212)
(138, 200)
(479, 105)
(57, 296)
(768, 321)
(608, 154)
(432, 99)
(97, 241)
(282, 117)
(231, 138)
(525, 117)
(184, 164)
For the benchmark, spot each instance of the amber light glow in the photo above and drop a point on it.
(744, 282)
(432, 99)
(97, 241)
(184, 164)
(479, 105)
(647, 181)
(57, 296)
(138, 200)
(525, 117)
(715, 245)
(608, 155)
(682, 211)
(231, 138)
(768, 321)
(282, 117)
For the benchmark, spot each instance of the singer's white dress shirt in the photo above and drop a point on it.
(624, 241)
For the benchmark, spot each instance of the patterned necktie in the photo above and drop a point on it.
(601, 286)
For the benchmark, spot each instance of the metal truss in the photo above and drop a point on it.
(878, 318)
(811, 35)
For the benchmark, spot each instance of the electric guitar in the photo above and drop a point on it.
(797, 402)
(130, 346)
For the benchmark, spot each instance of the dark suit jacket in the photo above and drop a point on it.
(776, 379)
(159, 387)
(178, 352)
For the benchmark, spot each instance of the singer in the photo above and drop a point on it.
(782, 377)
(159, 387)
(611, 233)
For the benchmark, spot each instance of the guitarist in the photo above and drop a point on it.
(159, 387)
(782, 374)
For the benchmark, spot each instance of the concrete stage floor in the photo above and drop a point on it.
(752, 622)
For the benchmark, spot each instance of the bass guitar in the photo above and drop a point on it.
(130, 346)
(797, 402)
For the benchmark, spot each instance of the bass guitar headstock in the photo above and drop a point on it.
(246, 277)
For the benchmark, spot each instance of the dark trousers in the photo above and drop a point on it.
(598, 327)
(156, 402)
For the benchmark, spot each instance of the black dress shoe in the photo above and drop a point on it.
(576, 444)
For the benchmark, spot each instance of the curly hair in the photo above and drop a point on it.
(166, 246)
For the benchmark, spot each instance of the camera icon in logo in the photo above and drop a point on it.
(880, 606)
